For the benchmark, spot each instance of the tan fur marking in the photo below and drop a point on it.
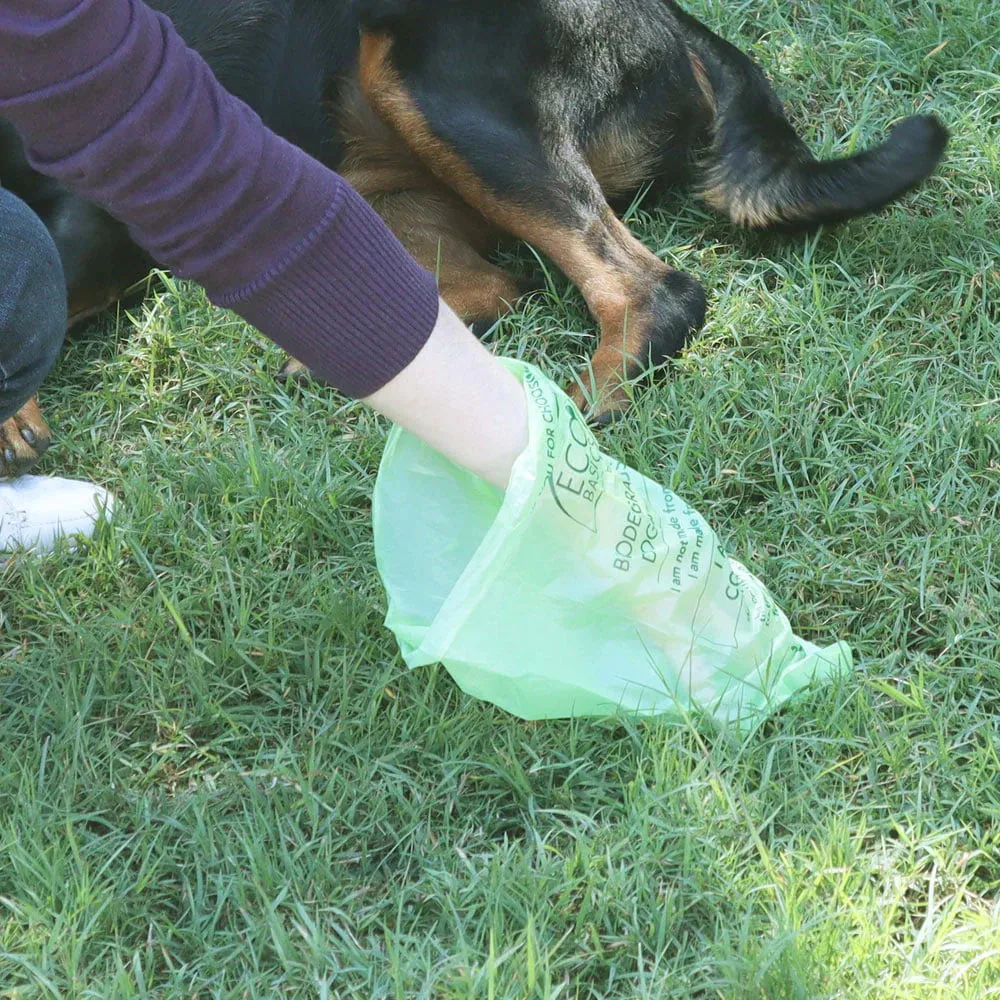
(622, 160)
(703, 81)
(444, 234)
(23, 439)
(744, 209)
(389, 99)
(440, 232)
(86, 303)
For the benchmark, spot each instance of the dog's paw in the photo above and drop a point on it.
(599, 406)
(662, 322)
(294, 371)
(23, 440)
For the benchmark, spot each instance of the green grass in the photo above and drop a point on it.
(218, 780)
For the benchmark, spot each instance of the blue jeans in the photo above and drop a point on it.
(32, 304)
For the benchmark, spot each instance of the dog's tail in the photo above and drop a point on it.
(760, 173)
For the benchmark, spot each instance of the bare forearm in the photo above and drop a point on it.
(459, 399)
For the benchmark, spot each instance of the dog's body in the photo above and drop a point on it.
(463, 121)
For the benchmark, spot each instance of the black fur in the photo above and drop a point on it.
(757, 158)
(679, 305)
(531, 95)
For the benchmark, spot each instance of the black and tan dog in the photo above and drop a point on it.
(464, 121)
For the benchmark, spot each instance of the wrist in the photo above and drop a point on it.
(460, 400)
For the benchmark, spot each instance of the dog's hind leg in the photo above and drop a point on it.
(502, 165)
(446, 238)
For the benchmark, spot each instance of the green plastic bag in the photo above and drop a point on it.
(586, 589)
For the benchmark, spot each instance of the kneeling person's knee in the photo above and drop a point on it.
(32, 303)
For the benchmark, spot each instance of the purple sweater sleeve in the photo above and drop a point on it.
(112, 103)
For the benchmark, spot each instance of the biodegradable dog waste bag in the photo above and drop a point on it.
(585, 589)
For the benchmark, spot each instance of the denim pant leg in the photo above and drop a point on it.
(32, 303)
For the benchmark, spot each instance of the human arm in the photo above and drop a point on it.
(111, 102)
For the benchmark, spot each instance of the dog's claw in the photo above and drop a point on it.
(293, 371)
(23, 439)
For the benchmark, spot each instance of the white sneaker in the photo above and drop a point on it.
(36, 510)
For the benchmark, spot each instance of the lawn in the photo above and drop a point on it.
(218, 780)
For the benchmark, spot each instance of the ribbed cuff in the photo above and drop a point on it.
(352, 305)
